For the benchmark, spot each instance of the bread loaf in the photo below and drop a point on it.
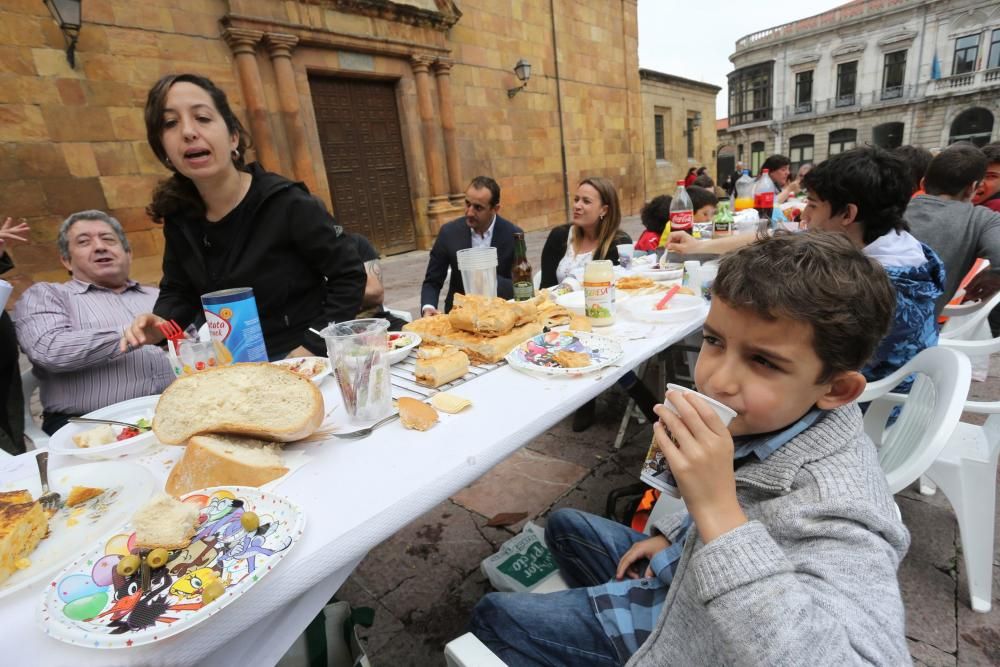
(261, 400)
(436, 366)
(225, 460)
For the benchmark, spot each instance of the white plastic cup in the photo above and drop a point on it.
(692, 275)
(479, 270)
(625, 253)
(708, 274)
(655, 470)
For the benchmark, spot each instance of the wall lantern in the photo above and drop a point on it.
(693, 123)
(69, 15)
(523, 71)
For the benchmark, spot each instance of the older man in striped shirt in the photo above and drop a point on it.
(70, 331)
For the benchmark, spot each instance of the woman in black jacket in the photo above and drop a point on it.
(227, 224)
(593, 234)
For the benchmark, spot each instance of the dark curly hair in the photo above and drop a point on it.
(873, 179)
(917, 160)
(819, 278)
(655, 213)
(178, 193)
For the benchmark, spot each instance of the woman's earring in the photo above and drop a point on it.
(236, 154)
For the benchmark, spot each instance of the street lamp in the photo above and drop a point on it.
(523, 71)
(69, 15)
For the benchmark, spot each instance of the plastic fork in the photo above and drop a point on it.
(172, 331)
(49, 499)
(365, 432)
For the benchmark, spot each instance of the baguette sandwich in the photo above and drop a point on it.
(225, 460)
(260, 400)
(436, 365)
(437, 330)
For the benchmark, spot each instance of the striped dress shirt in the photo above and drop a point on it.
(70, 331)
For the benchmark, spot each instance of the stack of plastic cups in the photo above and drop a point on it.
(479, 270)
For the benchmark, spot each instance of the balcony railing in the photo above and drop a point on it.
(967, 81)
(875, 98)
(846, 12)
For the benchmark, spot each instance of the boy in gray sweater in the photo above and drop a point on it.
(788, 551)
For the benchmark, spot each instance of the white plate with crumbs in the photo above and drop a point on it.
(75, 530)
(314, 368)
(130, 411)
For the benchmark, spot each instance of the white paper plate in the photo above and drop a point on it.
(574, 301)
(129, 411)
(88, 604)
(660, 274)
(535, 355)
(401, 353)
(74, 530)
(680, 308)
(314, 368)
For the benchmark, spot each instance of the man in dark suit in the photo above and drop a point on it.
(482, 226)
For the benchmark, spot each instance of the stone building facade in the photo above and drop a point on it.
(884, 72)
(384, 108)
(678, 125)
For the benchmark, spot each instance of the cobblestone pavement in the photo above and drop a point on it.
(424, 581)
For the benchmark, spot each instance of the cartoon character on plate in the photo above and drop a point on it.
(247, 546)
(135, 609)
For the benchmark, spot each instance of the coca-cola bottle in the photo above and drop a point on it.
(763, 195)
(681, 210)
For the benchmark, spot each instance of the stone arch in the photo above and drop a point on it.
(974, 124)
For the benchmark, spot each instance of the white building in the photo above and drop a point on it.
(885, 72)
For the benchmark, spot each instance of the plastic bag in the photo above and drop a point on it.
(524, 564)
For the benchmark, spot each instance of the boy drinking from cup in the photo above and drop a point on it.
(788, 551)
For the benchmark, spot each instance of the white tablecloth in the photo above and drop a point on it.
(355, 495)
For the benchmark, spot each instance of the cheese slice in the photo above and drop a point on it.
(449, 403)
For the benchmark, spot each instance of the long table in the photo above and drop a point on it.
(355, 495)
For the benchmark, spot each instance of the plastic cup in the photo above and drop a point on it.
(359, 356)
(655, 470)
(479, 270)
(625, 253)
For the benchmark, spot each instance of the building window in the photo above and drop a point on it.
(966, 52)
(888, 135)
(842, 140)
(994, 60)
(893, 73)
(800, 150)
(804, 92)
(661, 149)
(692, 130)
(739, 152)
(975, 125)
(756, 156)
(847, 81)
(750, 94)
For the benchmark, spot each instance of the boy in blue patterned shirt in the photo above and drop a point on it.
(788, 551)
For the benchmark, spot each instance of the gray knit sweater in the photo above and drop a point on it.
(958, 232)
(809, 580)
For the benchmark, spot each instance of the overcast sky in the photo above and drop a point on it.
(695, 38)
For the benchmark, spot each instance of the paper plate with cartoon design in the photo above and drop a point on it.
(92, 604)
(540, 354)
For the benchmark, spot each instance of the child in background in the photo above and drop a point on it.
(703, 202)
(654, 218)
(787, 553)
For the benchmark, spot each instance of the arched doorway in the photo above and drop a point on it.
(975, 125)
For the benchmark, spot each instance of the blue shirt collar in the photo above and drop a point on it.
(768, 443)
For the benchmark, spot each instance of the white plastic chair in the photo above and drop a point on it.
(36, 436)
(468, 651)
(965, 319)
(966, 471)
(930, 413)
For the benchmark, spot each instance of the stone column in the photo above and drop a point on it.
(442, 70)
(279, 47)
(439, 197)
(244, 44)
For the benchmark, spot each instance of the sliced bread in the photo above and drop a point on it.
(165, 522)
(225, 460)
(261, 400)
